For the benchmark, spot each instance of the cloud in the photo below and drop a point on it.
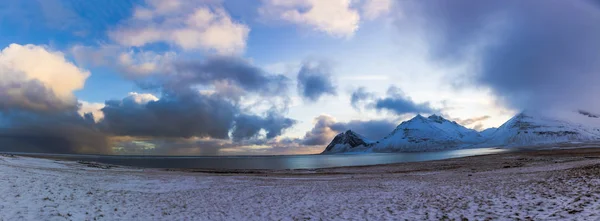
(372, 9)
(248, 126)
(314, 81)
(66, 132)
(475, 122)
(469, 121)
(38, 111)
(321, 133)
(185, 115)
(139, 98)
(195, 103)
(188, 24)
(38, 79)
(181, 115)
(229, 75)
(336, 18)
(205, 147)
(396, 102)
(532, 54)
(210, 99)
(359, 96)
(185, 111)
(236, 71)
(95, 109)
(372, 129)
(214, 147)
(326, 128)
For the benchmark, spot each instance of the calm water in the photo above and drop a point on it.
(273, 162)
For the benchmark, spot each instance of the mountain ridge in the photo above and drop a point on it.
(437, 133)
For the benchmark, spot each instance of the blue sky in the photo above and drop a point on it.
(277, 70)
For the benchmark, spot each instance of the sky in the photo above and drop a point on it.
(236, 77)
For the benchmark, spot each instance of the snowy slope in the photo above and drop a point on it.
(436, 133)
(534, 128)
(487, 133)
(417, 134)
(348, 141)
(424, 134)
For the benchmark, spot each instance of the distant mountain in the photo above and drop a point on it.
(431, 133)
(487, 133)
(348, 141)
(436, 133)
(531, 128)
(417, 134)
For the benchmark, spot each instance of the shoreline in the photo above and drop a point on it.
(505, 150)
(527, 185)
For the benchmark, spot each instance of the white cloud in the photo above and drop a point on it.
(335, 17)
(36, 78)
(372, 9)
(129, 62)
(93, 108)
(144, 63)
(188, 24)
(140, 98)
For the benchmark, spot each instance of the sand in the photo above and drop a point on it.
(532, 185)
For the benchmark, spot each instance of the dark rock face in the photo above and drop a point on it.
(522, 122)
(347, 138)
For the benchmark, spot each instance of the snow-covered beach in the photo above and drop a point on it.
(532, 185)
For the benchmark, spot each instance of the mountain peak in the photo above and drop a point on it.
(536, 128)
(418, 117)
(345, 141)
(350, 132)
(528, 127)
(436, 118)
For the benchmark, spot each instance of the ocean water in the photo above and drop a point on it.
(282, 162)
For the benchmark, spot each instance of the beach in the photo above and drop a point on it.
(528, 185)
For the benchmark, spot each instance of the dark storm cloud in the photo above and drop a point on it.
(248, 126)
(181, 114)
(31, 95)
(533, 54)
(326, 128)
(34, 119)
(51, 133)
(235, 70)
(37, 121)
(314, 81)
(395, 101)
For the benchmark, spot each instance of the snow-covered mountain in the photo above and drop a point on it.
(487, 133)
(436, 133)
(417, 134)
(431, 133)
(534, 128)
